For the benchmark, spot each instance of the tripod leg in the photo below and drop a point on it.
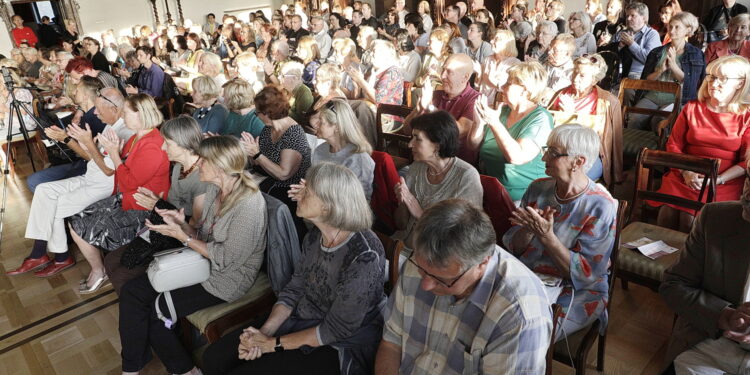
(8, 158)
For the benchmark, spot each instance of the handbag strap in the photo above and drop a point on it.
(170, 321)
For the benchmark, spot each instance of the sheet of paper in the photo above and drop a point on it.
(639, 242)
(63, 114)
(656, 249)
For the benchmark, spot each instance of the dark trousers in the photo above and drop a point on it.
(141, 330)
(221, 358)
(118, 274)
(56, 173)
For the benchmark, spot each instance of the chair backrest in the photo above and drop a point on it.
(556, 315)
(621, 209)
(651, 160)
(393, 250)
(497, 204)
(383, 201)
(394, 143)
(407, 94)
(646, 85)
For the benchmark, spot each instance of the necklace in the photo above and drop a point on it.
(333, 243)
(560, 199)
(435, 174)
(190, 170)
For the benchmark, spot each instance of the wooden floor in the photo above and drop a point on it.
(47, 328)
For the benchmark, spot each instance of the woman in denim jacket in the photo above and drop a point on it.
(679, 62)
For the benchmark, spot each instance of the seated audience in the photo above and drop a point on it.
(417, 32)
(586, 103)
(320, 34)
(80, 66)
(677, 61)
(231, 235)
(335, 332)
(436, 174)
(504, 324)
(432, 63)
(300, 96)
(31, 55)
(717, 125)
(385, 85)
(345, 55)
(579, 24)
(308, 52)
(606, 29)
(409, 60)
(559, 64)
(345, 143)
(636, 41)
(478, 49)
(511, 148)
(93, 50)
(562, 229)
(718, 17)
(708, 290)
(494, 71)
(210, 65)
(182, 138)
(537, 49)
(151, 77)
(248, 68)
(554, 13)
(736, 43)
(240, 100)
(209, 113)
(328, 85)
(114, 221)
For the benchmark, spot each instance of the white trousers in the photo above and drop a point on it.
(709, 357)
(56, 200)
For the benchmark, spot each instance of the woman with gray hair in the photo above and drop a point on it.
(586, 103)
(345, 143)
(579, 24)
(562, 230)
(537, 49)
(327, 319)
(209, 113)
(182, 138)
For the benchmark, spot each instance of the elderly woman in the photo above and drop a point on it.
(210, 65)
(301, 98)
(209, 113)
(436, 174)
(677, 61)
(114, 221)
(586, 103)
(182, 138)
(385, 85)
(328, 85)
(423, 9)
(536, 50)
(478, 48)
(345, 54)
(579, 24)
(334, 332)
(309, 53)
(248, 66)
(231, 234)
(717, 125)
(495, 67)
(562, 229)
(242, 117)
(344, 142)
(511, 148)
(736, 43)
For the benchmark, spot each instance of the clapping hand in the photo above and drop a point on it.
(738, 324)
(82, 135)
(626, 38)
(146, 198)
(402, 192)
(250, 144)
(486, 113)
(111, 142)
(173, 220)
(538, 222)
(427, 93)
(297, 191)
(54, 132)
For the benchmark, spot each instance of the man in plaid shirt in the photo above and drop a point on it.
(462, 304)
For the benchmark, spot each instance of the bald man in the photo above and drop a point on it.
(456, 97)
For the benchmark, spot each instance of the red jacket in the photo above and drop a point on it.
(146, 164)
(24, 33)
(498, 205)
(384, 202)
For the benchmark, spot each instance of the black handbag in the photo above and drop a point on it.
(139, 251)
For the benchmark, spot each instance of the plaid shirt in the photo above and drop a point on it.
(503, 327)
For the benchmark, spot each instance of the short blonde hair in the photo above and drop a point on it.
(329, 72)
(508, 39)
(740, 68)
(308, 47)
(146, 108)
(595, 62)
(238, 94)
(206, 86)
(689, 20)
(344, 47)
(344, 203)
(532, 76)
(213, 60)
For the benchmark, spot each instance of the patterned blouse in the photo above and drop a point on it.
(294, 139)
(389, 86)
(586, 226)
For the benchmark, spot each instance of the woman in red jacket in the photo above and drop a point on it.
(114, 221)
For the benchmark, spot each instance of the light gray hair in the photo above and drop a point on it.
(184, 131)
(639, 7)
(345, 205)
(576, 140)
(65, 55)
(454, 230)
(522, 30)
(585, 20)
(549, 25)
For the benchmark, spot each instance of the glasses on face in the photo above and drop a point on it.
(331, 107)
(552, 153)
(99, 95)
(447, 284)
(720, 80)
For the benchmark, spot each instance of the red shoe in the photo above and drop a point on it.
(30, 265)
(56, 267)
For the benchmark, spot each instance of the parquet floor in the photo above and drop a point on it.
(47, 328)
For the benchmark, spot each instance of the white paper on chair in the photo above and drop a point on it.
(650, 248)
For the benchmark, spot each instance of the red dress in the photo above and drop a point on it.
(145, 164)
(701, 132)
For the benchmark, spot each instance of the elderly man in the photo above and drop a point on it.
(463, 305)
(31, 55)
(317, 26)
(559, 63)
(296, 32)
(709, 289)
(279, 54)
(301, 98)
(456, 97)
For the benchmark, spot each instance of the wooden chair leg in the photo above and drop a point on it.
(600, 353)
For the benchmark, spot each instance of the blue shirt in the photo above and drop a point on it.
(645, 40)
(151, 81)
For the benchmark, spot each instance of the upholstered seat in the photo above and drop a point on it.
(633, 140)
(634, 262)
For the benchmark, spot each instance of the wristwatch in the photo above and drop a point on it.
(187, 241)
(278, 347)
(67, 139)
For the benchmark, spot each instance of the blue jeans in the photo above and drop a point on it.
(596, 170)
(56, 173)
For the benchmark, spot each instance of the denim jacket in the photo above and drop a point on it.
(692, 64)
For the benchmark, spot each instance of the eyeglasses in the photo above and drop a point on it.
(437, 279)
(720, 80)
(99, 95)
(554, 154)
(331, 107)
(593, 58)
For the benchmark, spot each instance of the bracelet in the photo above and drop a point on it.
(256, 156)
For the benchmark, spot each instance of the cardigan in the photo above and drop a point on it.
(144, 164)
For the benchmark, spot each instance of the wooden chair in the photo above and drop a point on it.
(394, 143)
(393, 250)
(556, 314)
(407, 94)
(580, 342)
(634, 266)
(497, 204)
(633, 139)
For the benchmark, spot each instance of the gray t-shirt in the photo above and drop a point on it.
(182, 193)
(360, 163)
(410, 64)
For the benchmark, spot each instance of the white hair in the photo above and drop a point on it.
(576, 140)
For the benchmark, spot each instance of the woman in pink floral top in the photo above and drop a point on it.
(386, 82)
(564, 230)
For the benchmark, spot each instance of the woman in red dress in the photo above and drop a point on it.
(717, 125)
